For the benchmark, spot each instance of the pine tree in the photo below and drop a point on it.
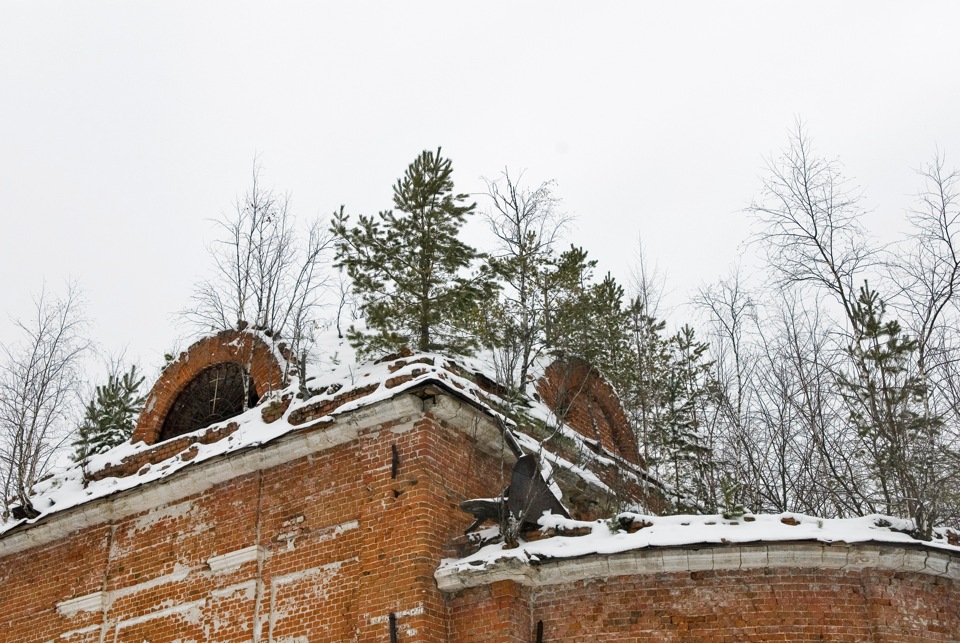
(885, 402)
(408, 266)
(110, 416)
(565, 287)
(587, 319)
(679, 442)
(605, 342)
(644, 390)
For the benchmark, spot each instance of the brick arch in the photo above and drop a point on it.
(249, 350)
(576, 391)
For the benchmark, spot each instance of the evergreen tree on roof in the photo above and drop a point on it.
(110, 416)
(411, 269)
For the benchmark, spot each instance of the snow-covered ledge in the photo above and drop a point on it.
(716, 557)
(89, 603)
(634, 544)
(234, 559)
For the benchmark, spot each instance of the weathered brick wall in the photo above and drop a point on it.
(325, 547)
(32, 583)
(735, 605)
(499, 612)
(587, 403)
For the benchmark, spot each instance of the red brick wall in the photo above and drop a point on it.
(31, 584)
(589, 404)
(741, 605)
(344, 544)
(499, 612)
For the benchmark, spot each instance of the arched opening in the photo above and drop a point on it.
(215, 394)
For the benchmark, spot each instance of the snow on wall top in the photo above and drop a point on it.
(333, 377)
(636, 531)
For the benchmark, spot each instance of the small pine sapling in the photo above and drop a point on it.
(730, 489)
(110, 416)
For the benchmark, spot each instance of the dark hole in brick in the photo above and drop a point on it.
(215, 394)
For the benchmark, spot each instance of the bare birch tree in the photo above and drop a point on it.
(527, 224)
(928, 283)
(887, 451)
(266, 275)
(40, 385)
(730, 312)
(810, 223)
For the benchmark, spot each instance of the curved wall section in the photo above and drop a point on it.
(247, 350)
(574, 390)
(764, 592)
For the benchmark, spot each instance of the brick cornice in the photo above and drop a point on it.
(720, 557)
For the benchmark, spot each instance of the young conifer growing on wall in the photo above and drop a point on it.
(410, 268)
(884, 395)
(110, 416)
(684, 435)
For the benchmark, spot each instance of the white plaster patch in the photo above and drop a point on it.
(83, 631)
(293, 577)
(154, 516)
(249, 589)
(234, 559)
(90, 603)
(179, 573)
(320, 535)
(189, 612)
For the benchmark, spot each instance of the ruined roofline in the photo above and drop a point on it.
(279, 412)
(200, 474)
(460, 377)
(289, 418)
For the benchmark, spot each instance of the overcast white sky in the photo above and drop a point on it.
(127, 126)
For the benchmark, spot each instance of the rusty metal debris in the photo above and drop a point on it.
(526, 499)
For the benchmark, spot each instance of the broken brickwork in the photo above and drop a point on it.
(334, 530)
(586, 402)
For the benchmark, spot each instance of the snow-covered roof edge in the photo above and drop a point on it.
(76, 486)
(635, 543)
